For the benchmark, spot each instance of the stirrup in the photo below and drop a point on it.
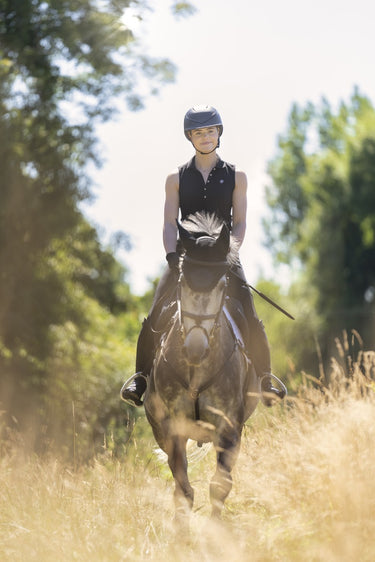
(126, 384)
(280, 392)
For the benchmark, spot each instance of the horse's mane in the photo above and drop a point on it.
(209, 224)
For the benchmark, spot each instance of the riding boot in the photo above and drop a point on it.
(256, 339)
(259, 351)
(134, 387)
(132, 391)
(269, 391)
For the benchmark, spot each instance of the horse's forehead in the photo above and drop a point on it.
(196, 299)
(203, 278)
(204, 300)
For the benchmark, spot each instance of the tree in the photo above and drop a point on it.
(322, 203)
(63, 65)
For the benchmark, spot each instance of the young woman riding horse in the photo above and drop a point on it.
(205, 183)
(202, 385)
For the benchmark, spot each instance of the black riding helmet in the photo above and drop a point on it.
(201, 117)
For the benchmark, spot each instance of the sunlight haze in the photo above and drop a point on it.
(249, 60)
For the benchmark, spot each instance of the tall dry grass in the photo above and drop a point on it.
(304, 490)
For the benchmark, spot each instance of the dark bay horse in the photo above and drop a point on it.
(202, 385)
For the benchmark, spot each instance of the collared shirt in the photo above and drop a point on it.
(214, 196)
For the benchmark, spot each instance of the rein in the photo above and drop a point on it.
(205, 263)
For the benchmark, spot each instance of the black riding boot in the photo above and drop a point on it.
(134, 388)
(164, 297)
(269, 391)
(256, 339)
(259, 352)
(132, 391)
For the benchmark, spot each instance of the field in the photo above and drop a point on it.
(304, 490)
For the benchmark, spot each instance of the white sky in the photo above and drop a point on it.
(251, 60)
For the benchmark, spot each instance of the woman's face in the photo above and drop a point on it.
(205, 139)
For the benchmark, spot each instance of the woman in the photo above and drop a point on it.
(205, 183)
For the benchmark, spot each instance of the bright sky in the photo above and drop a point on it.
(251, 60)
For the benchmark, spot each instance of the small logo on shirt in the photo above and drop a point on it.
(221, 181)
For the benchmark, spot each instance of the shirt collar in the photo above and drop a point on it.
(191, 164)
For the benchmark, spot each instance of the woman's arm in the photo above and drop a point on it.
(239, 204)
(171, 207)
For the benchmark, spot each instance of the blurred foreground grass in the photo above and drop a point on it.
(304, 489)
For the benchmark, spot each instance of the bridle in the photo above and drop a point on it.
(193, 390)
(200, 318)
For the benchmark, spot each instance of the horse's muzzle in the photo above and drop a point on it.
(196, 346)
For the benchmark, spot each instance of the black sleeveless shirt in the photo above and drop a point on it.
(214, 196)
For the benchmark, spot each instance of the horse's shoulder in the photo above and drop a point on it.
(165, 315)
(235, 319)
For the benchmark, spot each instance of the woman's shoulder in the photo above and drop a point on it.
(172, 180)
(240, 179)
(240, 173)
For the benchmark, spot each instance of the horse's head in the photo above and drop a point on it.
(206, 243)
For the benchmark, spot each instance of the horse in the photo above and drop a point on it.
(202, 385)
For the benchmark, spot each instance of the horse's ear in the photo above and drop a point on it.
(184, 234)
(224, 238)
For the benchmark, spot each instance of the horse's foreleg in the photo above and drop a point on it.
(221, 483)
(184, 493)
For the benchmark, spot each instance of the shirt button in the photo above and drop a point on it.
(204, 196)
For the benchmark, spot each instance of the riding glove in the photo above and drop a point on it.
(173, 260)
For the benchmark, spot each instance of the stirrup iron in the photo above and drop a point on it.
(278, 392)
(128, 383)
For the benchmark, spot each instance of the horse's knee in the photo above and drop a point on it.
(227, 450)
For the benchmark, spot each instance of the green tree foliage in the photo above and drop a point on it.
(322, 222)
(80, 52)
(63, 66)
